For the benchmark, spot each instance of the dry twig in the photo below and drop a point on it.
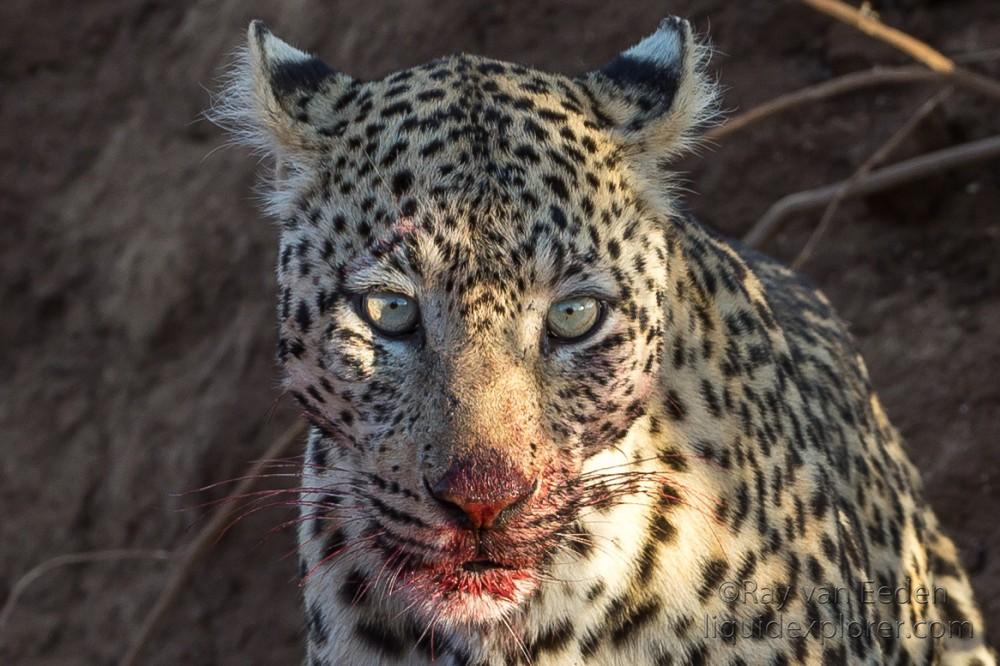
(863, 181)
(908, 44)
(39, 570)
(205, 539)
(939, 68)
(903, 172)
(873, 27)
(878, 157)
(874, 77)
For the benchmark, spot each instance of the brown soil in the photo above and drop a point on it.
(137, 288)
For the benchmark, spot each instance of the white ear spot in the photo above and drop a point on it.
(271, 50)
(276, 98)
(657, 94)
(665, 47)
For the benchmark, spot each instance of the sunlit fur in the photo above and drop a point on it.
(717, 426)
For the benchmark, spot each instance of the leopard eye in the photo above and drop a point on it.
(390, 313)
(574, 318)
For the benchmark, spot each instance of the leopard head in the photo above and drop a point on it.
(475, 277)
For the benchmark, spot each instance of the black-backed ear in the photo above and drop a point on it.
(656, 94)
(278, 98)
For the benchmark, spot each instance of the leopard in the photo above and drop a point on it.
(553, 419)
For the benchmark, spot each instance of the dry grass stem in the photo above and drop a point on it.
(90, 557)
(878, 157)
(903, 172)
(203, 542)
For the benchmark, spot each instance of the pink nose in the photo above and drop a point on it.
(480, 495)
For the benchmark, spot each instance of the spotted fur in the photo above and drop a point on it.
(718, 429)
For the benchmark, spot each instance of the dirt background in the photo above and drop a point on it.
(137, 330)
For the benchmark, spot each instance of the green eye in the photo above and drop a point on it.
(573, 318)
(390, 313)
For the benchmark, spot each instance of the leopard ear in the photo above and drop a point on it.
(278, 98)
(656, 95)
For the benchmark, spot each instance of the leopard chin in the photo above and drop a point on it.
(473, 594)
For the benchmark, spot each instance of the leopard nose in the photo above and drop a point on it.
(478, 498)
(481, 512)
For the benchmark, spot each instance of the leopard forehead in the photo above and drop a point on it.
(502, 165)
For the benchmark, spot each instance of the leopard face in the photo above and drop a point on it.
(473, 286)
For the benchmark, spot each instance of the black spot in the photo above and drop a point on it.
(315, 394)
(711, 576)
(535, 130)
(957, 621)
(317, 625)
(675, 407)
(428, 95)
(662, 529)
(408, 208)
(589, 643)
(647, 562)
(401, 182)
(558, 217)
(301, 75)
(820, 503)
(303, 317)
(432, 148)
(334, 545)
(355, 588)
(346, 99)
(396, 91)
(635, 619)
(526, 153)
(396, 109)
(379, 637)
(698, 655)
(711, 398)
(614, 249)
(393, 153)
(552, 116)
(647, 76)
(833, 656)
(557, 186)
(317, 456)
(553, 638)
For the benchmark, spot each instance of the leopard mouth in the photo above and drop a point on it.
(478, 577)
(483, 565)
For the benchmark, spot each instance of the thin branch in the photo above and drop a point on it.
(877, 76)
(878, 157)
(877, 181)
(873, 27)
(203, 542)
(980, 55)
(39, 570)
(976, 82)
(908, 44)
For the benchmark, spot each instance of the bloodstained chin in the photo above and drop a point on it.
(455, 596)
